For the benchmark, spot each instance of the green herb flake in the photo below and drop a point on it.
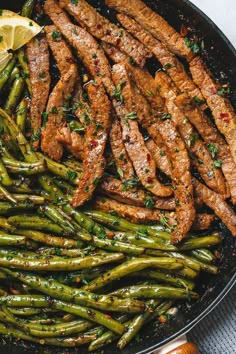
(56, 35)
(198, 100)
(224, 91)
(120, 172)
(218, 163)
(213, 149)
(150, 93)
(131, 60)
(149, 202)
(165, 116)
(167, 66)
(42, 74)
(96, 181)
(54, 110)
(74, 2)
(117, 93)
(36, 136)
(192, 45)
(132, 115)
(31, 24)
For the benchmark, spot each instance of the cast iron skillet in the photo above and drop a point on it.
(221, 57)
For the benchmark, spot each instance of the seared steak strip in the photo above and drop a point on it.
(159, 153)
(201, 155)
(114, 53)
(87, 47)
(220, 106)
(60, 94)
(127, 194)
(153, 23)
(203, 222)
(142, 160)
(217, 204)
(134, 213)
(95, 141)
(101, 28)
(169, 61)
(122, 160)
(157, 124)
(216, 144)
(38, 60)
(73, 141)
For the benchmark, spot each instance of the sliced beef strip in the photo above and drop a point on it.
(142, 160)
(169, 61)
(95, 141)
(217, 204)
(133, 213)
(101, 28)
(213, 138)
(60, 94)
(156, 125)
(89, 51)
(119, 152)
(203, 222)
(222, 110)
(200, 154)
(114, 53)
(153, 23)
(121, 191)
(38, 61)
(73, 141)
(158, 152)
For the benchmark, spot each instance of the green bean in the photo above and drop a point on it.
(21, 55)
(27, 8)
(155, 292)
(113, 245)
(60, 170)
(12, 252)
(5, 178)
(21, 114)
(24, 168)
(166, 278)
(66, 187)
(25, 311)
(12, 240)
(56, 194)
(206, 267)
(4, 194)
(54, 241)
(16, 133)
(74, 165)
(14, 74)
(4, 150)
(139, 321)
(72, 252)
(78, 296)
(66, 342)
(131, 266)
(29, 198)
(124, 225)
(6, 207)
(59, 264)
(187, 261)
(34, 223)
(60, 329)
(200, 242)
(15, 95)
(6, 72)
(4, 224)
(203, 255)
(186, 272)
(55, 215)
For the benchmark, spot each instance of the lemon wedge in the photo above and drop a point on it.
(15, 31)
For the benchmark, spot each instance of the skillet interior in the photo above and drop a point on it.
(220, 57)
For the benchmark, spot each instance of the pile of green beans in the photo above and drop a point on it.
(75, 276)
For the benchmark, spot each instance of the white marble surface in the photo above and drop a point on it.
(223, 13)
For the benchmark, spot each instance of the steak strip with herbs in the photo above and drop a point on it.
(142, 160)
(221, 108)
(100, 27)
(153, 23)
(60, 95)
(167, 59)
(38, 61)
(216, 144)
(196, 147)
(96, 133)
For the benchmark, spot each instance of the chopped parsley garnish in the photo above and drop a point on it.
(223, 91)
(113, 213)
(194, 138)
(130, 183)
(54, 110)
(117, 94)
(149, 202)
(56, 35)
(217, 163)
(132, 115)
(198, 100)
(42, 74)
(213, 149)
(120, 172)
(74, 2)
(36, 136)
(192, 45)
(150, 93)
(165, 116)
(96, 181)
(167, 66)
(31, 24)
(131, 60)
